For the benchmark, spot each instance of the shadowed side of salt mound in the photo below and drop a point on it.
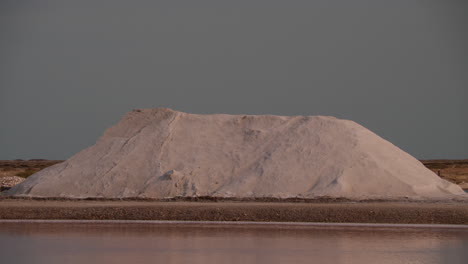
(158, 153)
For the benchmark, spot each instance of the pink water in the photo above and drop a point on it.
(199, 243)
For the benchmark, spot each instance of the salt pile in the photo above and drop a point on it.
(161, 153)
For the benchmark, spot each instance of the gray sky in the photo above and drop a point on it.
(70, 69)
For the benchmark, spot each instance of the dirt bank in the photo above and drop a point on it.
(332, 212)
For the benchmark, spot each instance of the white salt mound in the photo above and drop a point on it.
(161, 153)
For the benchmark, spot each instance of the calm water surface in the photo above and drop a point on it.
(172, 243)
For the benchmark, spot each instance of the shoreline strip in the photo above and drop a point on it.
(233, 223)
(222, 212)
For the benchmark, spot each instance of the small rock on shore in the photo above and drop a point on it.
(10, 181)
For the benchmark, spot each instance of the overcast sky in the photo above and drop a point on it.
(70, 69)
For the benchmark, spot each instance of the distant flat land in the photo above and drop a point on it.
(24, 168)
(455, 171)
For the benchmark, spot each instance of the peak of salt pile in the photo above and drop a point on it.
(164, 153)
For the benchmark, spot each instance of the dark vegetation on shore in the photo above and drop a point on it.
(455, 171)
(24, 168)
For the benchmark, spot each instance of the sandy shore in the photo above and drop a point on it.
(404, 212)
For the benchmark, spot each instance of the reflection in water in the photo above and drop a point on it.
(158, 243)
